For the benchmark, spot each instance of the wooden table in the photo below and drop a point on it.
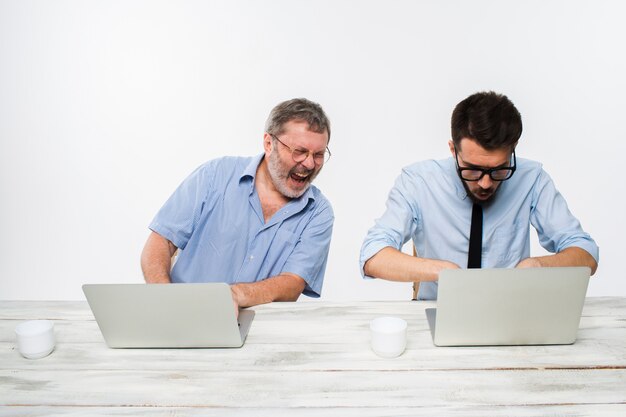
(312, 359)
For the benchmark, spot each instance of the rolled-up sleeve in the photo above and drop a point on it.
(397, 224)
(556, 227)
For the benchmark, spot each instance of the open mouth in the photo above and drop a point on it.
(299, 178)
(484, 194)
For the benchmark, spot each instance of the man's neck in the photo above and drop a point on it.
(271, 199)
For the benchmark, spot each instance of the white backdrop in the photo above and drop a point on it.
(105, 106)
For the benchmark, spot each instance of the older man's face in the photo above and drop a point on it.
(293, 178)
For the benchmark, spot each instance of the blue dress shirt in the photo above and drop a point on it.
(429, 204)
(216, 221)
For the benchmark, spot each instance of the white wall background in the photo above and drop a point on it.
(105, 106)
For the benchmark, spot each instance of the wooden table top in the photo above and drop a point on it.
(314, 358)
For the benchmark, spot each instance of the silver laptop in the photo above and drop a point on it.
(487, 307)
(167, 315)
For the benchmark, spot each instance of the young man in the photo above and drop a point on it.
(482, 186)
(255, 223)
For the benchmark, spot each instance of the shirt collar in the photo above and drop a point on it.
(250, 169)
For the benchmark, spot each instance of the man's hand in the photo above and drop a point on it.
(236, 293)
(529, 263)
(571, 256)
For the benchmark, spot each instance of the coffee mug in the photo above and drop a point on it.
(388, 336)
(35, 338)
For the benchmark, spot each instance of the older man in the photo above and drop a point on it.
(255, 223)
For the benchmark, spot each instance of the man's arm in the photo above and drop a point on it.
(559, 231)
(394, 265)
(283, 287)
(571, 256)
(156, 259)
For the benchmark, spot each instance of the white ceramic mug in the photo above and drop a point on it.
(388, 336)
(35, 338)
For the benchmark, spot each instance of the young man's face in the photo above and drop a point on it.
(293, 178)
(470, 154)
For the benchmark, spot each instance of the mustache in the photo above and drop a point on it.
(301, 171)
(472, 195)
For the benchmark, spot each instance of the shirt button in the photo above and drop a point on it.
(251, 257)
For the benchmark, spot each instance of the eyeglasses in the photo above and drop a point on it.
(476, 174)
(300, 155)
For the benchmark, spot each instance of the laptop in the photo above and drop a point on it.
(167, 315)
(490, 307)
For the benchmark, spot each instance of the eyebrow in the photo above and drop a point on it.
(302, 148)
(298, 147)
(470, 165)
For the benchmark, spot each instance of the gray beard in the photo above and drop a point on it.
(279, 177)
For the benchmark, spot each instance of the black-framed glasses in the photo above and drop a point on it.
(300, 155)
(476, 174)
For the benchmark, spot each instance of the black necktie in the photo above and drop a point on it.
(476, 237)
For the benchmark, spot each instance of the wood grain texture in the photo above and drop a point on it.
(314, 359)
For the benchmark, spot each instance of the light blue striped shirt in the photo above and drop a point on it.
(429, 205)
(216, 221)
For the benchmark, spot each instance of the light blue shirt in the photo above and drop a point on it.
(429, 204)
(216, 221)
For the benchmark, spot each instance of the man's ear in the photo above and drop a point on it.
(267, 143)
(451, 146)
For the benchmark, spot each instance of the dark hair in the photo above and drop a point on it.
(297, 109)
(489, 118)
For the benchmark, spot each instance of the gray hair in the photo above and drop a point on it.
(299, 109)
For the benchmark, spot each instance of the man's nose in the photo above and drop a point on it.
(309, 162)
(485, 182)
